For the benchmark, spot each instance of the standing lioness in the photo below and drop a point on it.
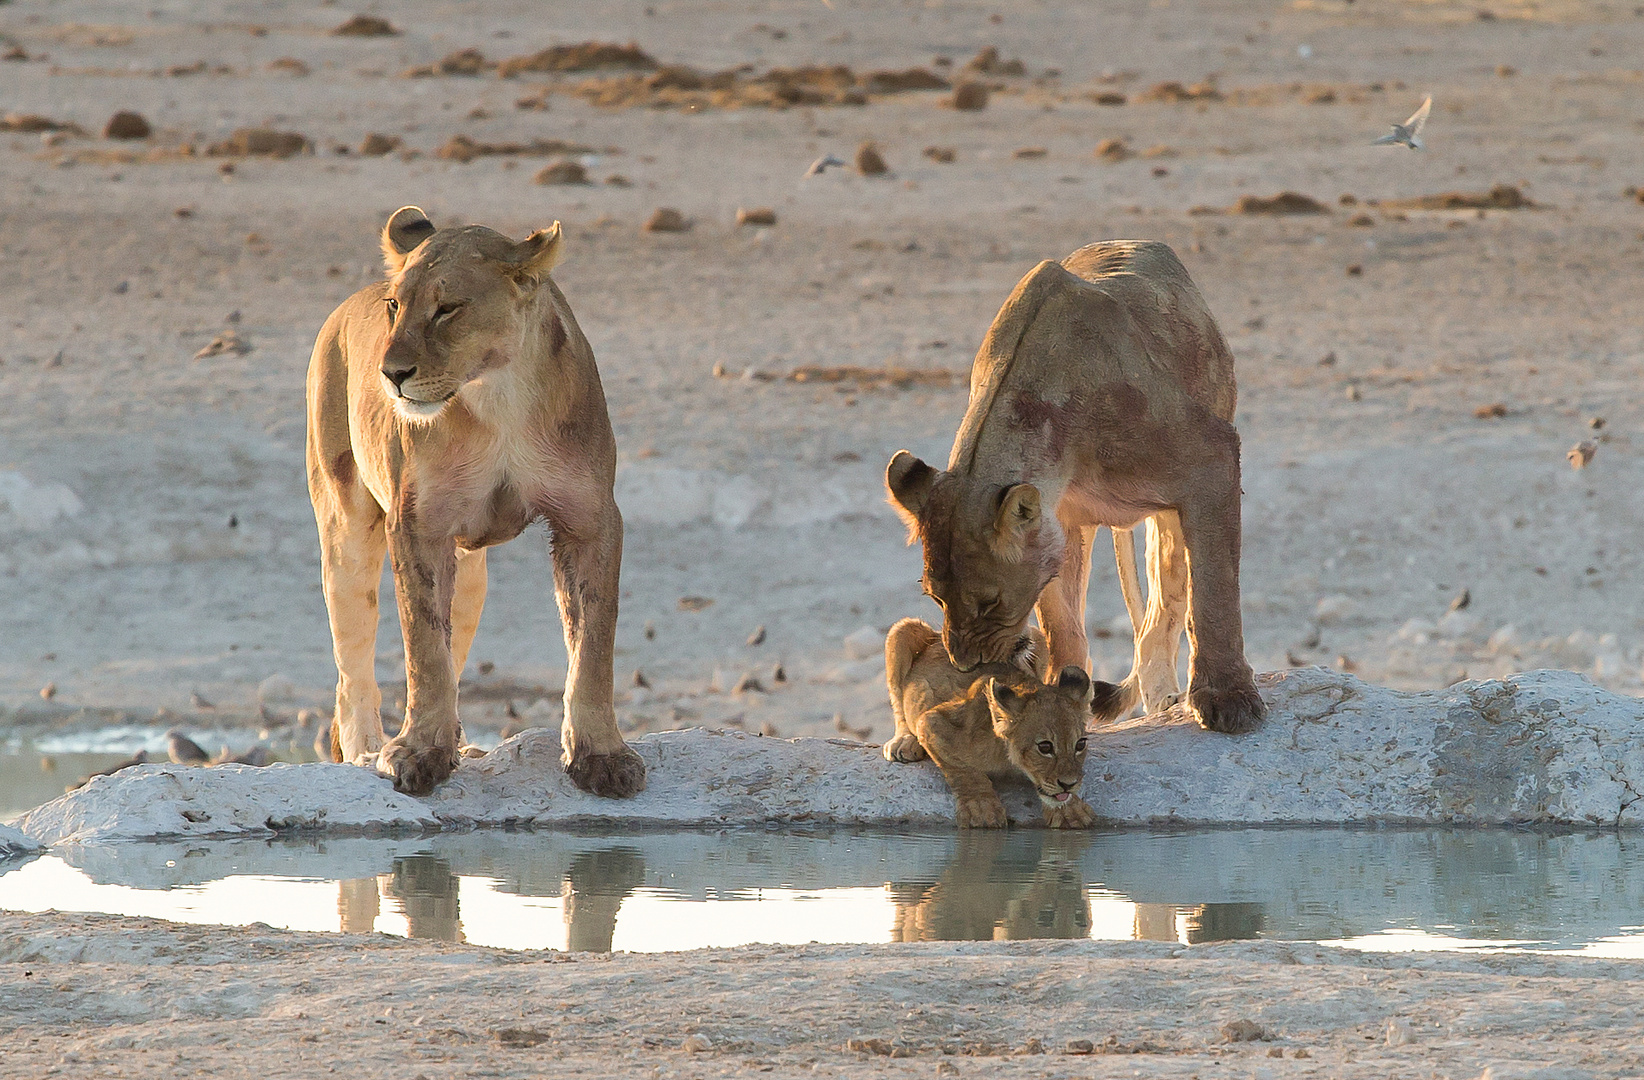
(448, 408)
(1103, 394)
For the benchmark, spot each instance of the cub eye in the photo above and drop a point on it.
(1079, 747)
(1046, 748)
(445, 311)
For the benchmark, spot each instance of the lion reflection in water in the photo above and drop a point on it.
(426, 891)
(999, 887)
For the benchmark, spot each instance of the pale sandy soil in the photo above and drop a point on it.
(95, 996)
(765, 496)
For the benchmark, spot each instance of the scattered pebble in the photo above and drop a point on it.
(869, 162)
(942, 155)
(1353, 392)
(650, 630)
(1112, 150)
(379, 145)
(1244, 1030)
(127, 125)
(1285, 202)
(696, 1044)
(200, 703)
(1581, 453)
(779, 674)
(486, 667)
(1030, 152)
(1032, 1046)
(970, 97)
(1355, 270)
(768, 730)
(946, 1068)
(229, 342)
(183, 750)
(563, 172)
(755, 215)
(667, 219)
(1493, 411)
(261, 142)
(640, 680)
(757, 637)
(1399, 1032)
(1596, 423)
(1079, 1046)
(869, 1046)
(694, 603)
(365, 26)
(748, 684)
(1108, 97)
(48, 691)
(1461, 600)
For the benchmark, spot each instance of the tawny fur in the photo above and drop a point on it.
(1103, 395)
(448, 408)
(996, 721)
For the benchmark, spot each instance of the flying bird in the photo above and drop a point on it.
(823, 164)
(1409, 132)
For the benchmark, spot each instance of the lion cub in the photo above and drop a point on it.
(991, 721)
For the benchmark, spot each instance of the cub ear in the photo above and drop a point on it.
(909, 480)
(1018, 515)
(538, 253)
(1074, 678)
(407, 227)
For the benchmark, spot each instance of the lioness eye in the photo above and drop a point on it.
(1079, 747)
(1046, 748)
(393, 306)
(445, 311)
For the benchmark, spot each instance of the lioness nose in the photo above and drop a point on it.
(398, 375)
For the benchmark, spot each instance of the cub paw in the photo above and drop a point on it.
(1073, 814)
(1231, 711)
(619, 775)
(415, 770)
(982, 812)
(905, 747)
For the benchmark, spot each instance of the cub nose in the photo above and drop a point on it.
(398, 375)
(1068, 785)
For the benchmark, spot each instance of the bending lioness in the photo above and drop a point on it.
(448, 408)
(993, 721)
(1103, 394)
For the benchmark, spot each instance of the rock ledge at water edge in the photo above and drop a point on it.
(1544, 748)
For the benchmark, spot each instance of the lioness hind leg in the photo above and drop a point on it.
(352, 544)
(467, 601)
(905, 643)
(1160, 637)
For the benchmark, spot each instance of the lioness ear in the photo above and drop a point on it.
(407, 227)
(1003, 696)
(538, 253)
(1018, 515)
(1073, 677)
(909, 480)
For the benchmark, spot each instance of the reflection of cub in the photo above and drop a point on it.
(999, 887)
(992, 721)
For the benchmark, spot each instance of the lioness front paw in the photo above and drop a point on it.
(982, 812)
(415, 770)
(905, 747)
(1074, 813)
(619, 775)
(1231, 711)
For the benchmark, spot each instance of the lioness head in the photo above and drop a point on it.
(989, 553)
(1043, 727)
(455, 303)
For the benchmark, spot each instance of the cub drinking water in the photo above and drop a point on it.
(994, 720)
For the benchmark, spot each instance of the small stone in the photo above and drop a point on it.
(379, 145)
(1462, 600)
(48, 691)
(1030, 152)
(946, 1068)
(1032, 1046)
(1301, 1052)
(942, 155)
(869, 162)
(1275, 1051)
(666, 219)
(970, 97)
(768, 730)
(563, 172)
(1353, 392)
(127, 125)
(1112, 150)
(1333, 609)
(650, 630)
(694, 603)
(1596, 423)
(640, 680)
(365, 26)
(758, 636)
(863, 643)
(1581, 453)
(868, 1046)
(696, 1044)
(748, 684)
(1399, 1032)
(1079, 1046)
(1493, 411)
(779, 674)
(1243, 1030)
(755, 215)
(1355, 270)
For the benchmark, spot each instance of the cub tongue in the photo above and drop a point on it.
(1062, 797)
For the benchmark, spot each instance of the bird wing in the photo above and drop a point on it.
(1417, 121)
(1386, 140)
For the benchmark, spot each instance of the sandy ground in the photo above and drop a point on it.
(101, 996)
(1369, 481)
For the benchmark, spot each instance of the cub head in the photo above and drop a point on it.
(990, 550)
(1043, 726)
(460, 303)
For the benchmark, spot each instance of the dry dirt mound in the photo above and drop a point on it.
(679, 86)
(1285, 202)
(1500, 197)
(586, 56)
(465, 148)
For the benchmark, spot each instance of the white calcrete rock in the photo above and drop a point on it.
(13, 842)
(1542, 748)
